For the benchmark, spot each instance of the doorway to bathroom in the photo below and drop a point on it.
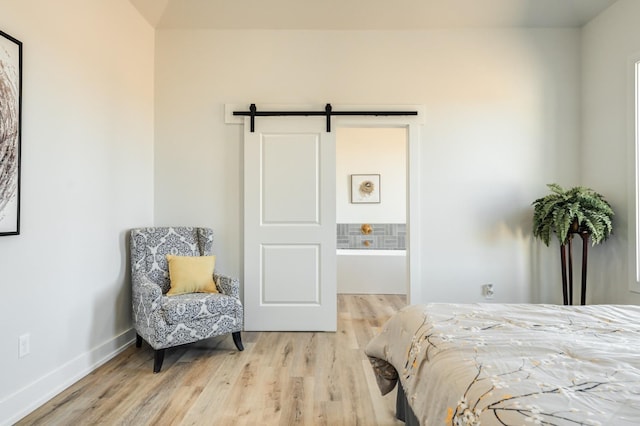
(290, 257)
(371, 210)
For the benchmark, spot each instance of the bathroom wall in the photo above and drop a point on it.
(379, 151)
(372, 151)
(384, 236)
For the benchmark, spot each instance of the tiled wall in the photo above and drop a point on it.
(385, 236)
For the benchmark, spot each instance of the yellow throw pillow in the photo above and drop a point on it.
(191, 274)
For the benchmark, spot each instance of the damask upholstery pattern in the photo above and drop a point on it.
(166, 321)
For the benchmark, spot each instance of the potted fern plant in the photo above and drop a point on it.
(576, 210)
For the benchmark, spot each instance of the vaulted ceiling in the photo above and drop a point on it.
(368, 14)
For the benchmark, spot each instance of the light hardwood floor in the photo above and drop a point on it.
(279, 379)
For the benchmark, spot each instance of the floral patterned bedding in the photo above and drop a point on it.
(499, 364)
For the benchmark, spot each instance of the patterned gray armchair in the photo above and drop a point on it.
(167, 321)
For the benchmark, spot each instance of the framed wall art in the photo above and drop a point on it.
(365, 188)
(10, 133)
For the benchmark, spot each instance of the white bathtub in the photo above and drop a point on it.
(372, 271)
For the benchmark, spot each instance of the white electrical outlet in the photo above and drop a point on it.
(24, 345)
(488, 291)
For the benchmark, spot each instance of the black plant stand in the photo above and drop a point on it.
(567, 280)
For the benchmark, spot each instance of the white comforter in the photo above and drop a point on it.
(492, 364)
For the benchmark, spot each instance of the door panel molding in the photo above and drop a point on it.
(286, 200)
(290, 274)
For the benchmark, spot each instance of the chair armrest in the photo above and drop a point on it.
(227, 285)
(147, 301)
(146, 294)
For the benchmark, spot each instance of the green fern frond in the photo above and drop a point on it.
(559, 210)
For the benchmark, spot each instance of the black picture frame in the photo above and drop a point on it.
(10, 133)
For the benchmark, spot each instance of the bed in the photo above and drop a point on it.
(511, 364)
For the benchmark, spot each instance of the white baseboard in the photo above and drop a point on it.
(26, 400)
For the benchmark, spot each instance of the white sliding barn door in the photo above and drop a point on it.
(289, 225)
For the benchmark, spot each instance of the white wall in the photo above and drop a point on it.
(372, 150)
(502, 121)
(607, 160)
(87, 177)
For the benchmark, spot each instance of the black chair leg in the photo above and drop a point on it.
(138, 341)
(237, 339)
(158, 359)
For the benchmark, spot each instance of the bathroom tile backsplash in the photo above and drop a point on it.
(385, 236)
